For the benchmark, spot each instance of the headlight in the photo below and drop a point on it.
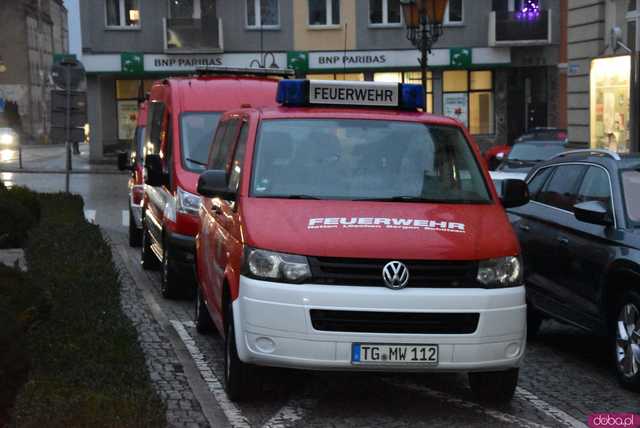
(502, 272)
(188, 203)
(6, 139)
(274, 266)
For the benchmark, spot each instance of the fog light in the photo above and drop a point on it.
(266, 345)
(513, 350)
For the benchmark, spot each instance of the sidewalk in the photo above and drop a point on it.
(51, 159)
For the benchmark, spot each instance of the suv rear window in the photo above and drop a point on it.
(365, 160)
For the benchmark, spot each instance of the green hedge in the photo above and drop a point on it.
(19, 212)
(87, 368)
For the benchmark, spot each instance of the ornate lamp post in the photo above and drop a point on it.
(423, 19)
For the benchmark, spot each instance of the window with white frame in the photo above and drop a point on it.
(123, 13)
(324, 12)
(263, 14)
(384, 12)
(454, 15)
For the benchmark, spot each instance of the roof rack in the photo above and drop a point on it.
(259, 72)
(612, 155)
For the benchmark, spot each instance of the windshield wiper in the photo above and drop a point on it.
(313, 198)
(196, 162)
(398, 199)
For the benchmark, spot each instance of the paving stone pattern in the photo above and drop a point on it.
(165, 370)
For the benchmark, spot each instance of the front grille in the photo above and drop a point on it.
(368, 272)
(393, 322)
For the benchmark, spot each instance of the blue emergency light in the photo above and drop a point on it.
(304, 93)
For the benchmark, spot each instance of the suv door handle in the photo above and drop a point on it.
(524, 227)
(562, 240)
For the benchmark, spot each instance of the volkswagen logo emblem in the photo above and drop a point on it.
(395, 275)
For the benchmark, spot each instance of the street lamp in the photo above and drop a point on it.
(423, 19)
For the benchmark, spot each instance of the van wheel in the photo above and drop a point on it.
(170, 286)
(148, 258)
(626, 340)
(135, 234)
(494, 387)
(237, 375)
(202, 318)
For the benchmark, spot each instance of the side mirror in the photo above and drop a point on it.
(123, 162)
(153, 170)
(593, 212)
(214, 184)
(515, 193)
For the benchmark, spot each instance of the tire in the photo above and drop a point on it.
(494, 387)
(625, 340)
(170, 286)
(237, 375)
(534, 321)
(148, 259)
(203, 321)
(135, 234)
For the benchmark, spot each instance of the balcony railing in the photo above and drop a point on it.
(517, 29)
(185, 35)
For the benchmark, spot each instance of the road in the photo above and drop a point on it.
(565, 377)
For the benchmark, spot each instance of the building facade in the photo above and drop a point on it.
(495, 68)
(602, 73)
(32, 32)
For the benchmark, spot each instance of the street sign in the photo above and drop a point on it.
(77, 119)
(59, 135)
(77, 100)
(74, 80)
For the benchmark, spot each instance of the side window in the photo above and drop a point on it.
(154, 125)
(222, 151)
(537, 182)
(560, 191)
(217, 141)
(238, 159)
(595, 187)
(168, 149)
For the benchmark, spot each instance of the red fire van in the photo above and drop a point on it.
(346, 230)
(183, 115)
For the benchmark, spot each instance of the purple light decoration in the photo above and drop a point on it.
(529, 11)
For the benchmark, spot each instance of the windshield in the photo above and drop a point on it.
(534, 152)
(631, 188)
(365, 159)
(197, 135)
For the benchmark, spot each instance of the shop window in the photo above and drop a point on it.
(454, 13)
(324, 12)
(610, 91)
(128, 93)
(468, 97)
(263, 14)
(384, 12)
(123, 13)
(632, 5)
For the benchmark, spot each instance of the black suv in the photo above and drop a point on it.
(580, 238)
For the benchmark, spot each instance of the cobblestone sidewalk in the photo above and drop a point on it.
(165, 370)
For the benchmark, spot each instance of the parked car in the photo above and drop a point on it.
(496, 154)
(523, 156)
(133, 161)
(183, 115)
(345, 230)
(580, 238)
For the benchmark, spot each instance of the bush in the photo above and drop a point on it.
(19, 309)
(19, 212)
(87, 367)
(15, 222)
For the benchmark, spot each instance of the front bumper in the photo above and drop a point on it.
(274, 328)
(181, 252)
